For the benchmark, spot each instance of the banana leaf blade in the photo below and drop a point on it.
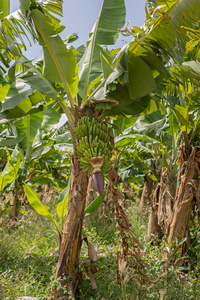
(94, 205)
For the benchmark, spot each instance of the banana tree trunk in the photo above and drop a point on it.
(186, 194)
(158, 217)
(67, 273)
(146, 193)
(68, 263)
(14, 210)
(17, 197)
(72, 233)
(171, 213)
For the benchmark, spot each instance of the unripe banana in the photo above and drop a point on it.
(99, 153)
(101, 134)
(102, 143)
(83, 161)
(83, 140)
(87, 145)
(87, 126)
(87, 155)
(107, 138)
(90, 140)
(90, 130)
(82, 128)
(78, 131)
(81, 145)
(93, 141)
(91, 152)
(108, 154)
(97, 132)
(83, 120)
(94, 130)
(79, 149)
(104, 147)
(96, 139)
(87, 168)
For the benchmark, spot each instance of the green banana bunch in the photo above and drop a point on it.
(93, 140)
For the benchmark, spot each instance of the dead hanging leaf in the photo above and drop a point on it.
(91, 276)
(131, 249)
(93, 258)
(186, 195)
(122, 266)
(161, 212)
(113, 176)
(91, 251)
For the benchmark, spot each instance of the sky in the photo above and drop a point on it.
(79, 17)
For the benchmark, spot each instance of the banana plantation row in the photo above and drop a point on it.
(132, 116)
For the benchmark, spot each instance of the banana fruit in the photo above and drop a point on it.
(93, 141)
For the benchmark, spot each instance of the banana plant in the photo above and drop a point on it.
(148, 144)
(183, 88)
(100, 84)
(60, 66)
(41, 154)
(43, 210)
(181, 94)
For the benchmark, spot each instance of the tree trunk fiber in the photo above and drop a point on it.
(171, 215)
(17, 197)
(67, 272)
(153, 227)
(131, 249)
(187, 192)
(68, 262)
(14, 210)
(91, 191)
(146, 193)
(161, 210)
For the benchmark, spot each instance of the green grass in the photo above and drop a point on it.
(25, 265)
(27, 268)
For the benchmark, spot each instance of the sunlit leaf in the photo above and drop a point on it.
(4, 8)
(3, 91)
(104, 32)
(41, 209)
(63, 201)
(60, 63)
(95, 204)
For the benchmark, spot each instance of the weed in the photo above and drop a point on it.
(25, 264)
